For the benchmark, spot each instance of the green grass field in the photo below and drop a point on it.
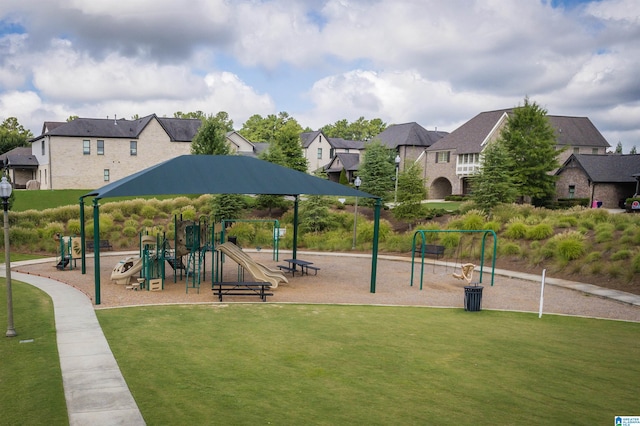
(30, 375)
(324, 364)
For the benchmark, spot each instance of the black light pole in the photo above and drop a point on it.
(5, 193)
(357, 184)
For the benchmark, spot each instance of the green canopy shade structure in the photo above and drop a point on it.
(219, 174)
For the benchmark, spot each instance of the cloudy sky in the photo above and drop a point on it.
(436, 62)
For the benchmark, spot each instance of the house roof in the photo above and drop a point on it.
(605, 168)
(408, 134)
(349, 161)
(469, 138)
(19, 157)
(178, 129)
(221, 174)
(307, 137)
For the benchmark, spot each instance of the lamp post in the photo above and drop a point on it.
(5, 193)
(395, 197)
(357, 184)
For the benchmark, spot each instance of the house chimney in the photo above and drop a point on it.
(115, 119)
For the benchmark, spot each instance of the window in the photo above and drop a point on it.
(594, 150)
(106, 175)
(100, 148)
(133, 148)
(572, 191)
(319, 153)
(42, 144)
(576, 150)
(442, 157)
(86, 147)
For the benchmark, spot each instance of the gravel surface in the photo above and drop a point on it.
(345, 278)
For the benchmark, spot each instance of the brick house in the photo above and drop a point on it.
(607, 178)
(454, 158)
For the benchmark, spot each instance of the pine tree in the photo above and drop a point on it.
(530, 142)
(377, 170)
(493, 183)
(411, 192)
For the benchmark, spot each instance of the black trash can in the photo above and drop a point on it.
(472, 297)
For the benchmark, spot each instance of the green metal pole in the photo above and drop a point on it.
(82, 238)
(295, 227)
(96, 248)
(374, 251)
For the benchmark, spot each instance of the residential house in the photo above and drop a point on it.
(608, 178)
(319, 150)
(347, 161)
(410, 141)
(88, 153)
(454, 158)
(22, 166)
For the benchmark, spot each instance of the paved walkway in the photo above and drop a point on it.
(95, 390)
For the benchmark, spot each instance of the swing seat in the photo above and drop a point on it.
(466, 272)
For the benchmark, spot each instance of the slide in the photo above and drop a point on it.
(259, 271)
(125, 269)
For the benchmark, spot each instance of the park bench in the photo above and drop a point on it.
(104, 245)
(221, 289)
(431, 249)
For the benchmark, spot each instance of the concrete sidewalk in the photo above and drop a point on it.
(94, 389)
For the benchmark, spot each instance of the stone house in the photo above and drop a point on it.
(454, 158)
(608, 178)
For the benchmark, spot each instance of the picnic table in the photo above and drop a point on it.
(242, 289)
(292, 266)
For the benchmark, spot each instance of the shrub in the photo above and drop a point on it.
(129, 231)
(516, 230)
(473, 220)
(621, 255)
(52, 229)
(635, 263)
(450, 240)
(147, 223)
(603, 236)
(569, 246)
(148, 211)
(540, 231)
(510, 249)
(493, 226)
(21, 236)
(594, 256)
(106, 224)
(73, 227)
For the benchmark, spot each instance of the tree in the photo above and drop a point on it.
(530, 143)
(618, 148)
(314, 215)
(13, 135)
(266, 129)
(377, 169)
(359, 130)
(411, 192)
(211, 138)
(227, 206)
(493, 183)
(343, 177)
(287, 141)
(633, 150)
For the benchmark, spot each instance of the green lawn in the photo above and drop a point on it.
(325, 364)
(30, 377)
(46, 199)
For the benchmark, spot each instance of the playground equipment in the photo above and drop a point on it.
(466, 271)
(125, 269)
(70, 250)
(259, 271)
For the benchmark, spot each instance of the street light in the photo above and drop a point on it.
(5, 193)
(395, 197)
(357, 184)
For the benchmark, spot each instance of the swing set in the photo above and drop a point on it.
(419, 245)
